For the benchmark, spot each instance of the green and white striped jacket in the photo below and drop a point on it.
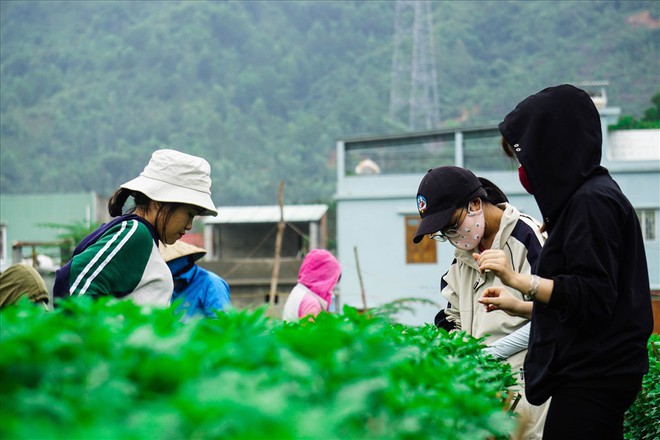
(120, 259)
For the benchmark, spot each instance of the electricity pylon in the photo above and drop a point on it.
(414, 86)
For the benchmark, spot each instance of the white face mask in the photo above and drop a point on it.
(471, 231)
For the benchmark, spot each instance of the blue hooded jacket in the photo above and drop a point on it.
(203, 293)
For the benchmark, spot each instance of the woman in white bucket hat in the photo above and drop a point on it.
(121, 258)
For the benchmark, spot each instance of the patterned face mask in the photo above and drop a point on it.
(471, 231)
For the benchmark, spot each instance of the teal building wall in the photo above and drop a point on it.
(23, 216)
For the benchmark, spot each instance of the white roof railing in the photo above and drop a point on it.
(268, 214)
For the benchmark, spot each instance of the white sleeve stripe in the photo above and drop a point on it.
(109, 257)
(95, 259)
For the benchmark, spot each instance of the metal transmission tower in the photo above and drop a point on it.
(414, 87)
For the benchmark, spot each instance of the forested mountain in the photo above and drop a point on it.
(263, 89)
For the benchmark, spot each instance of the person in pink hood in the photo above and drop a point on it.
(317, 277)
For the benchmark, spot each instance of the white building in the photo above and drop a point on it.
(377, 214)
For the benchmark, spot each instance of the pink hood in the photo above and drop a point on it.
(319, 272)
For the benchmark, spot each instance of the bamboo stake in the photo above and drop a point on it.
(362, 292)
(278, 249)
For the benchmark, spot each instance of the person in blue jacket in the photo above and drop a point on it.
(203, 293)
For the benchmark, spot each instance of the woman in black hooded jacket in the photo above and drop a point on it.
(592, 317)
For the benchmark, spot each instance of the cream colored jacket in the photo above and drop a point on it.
(520, 238)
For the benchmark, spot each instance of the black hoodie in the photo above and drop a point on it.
(597, 324)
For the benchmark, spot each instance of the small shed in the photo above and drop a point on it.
(240, 244)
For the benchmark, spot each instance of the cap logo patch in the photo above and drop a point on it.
(421, 204)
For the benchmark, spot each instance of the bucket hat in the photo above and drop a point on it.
(440, 193)
(181, 249)
(173, 176)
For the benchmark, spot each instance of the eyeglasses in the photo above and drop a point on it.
(449, 231)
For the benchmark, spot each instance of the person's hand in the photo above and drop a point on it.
(496, 261)
(499, 298)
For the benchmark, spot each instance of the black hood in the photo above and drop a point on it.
(556, 135)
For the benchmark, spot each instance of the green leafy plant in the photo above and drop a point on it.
(641, 421)
(651, 118)
(392, 308)
(72, 234)
(109, 369)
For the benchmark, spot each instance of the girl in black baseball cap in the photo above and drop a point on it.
(474, 215)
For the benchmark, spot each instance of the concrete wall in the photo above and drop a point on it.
(256, 240)
(249, 279)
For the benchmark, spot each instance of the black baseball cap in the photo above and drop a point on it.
(441, 192)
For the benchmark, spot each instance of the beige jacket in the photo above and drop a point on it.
(520, 238)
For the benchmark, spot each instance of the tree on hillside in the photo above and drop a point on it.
(651, 118)
(264, 89)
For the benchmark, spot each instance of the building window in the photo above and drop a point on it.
(423, 252)
(647, 220)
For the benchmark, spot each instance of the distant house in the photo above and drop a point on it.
(240, 244)
(24, 220)
(377, 214)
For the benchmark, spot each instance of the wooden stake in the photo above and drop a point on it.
(278, 249)
(357, 266)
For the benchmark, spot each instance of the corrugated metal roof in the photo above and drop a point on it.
(268, 214)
